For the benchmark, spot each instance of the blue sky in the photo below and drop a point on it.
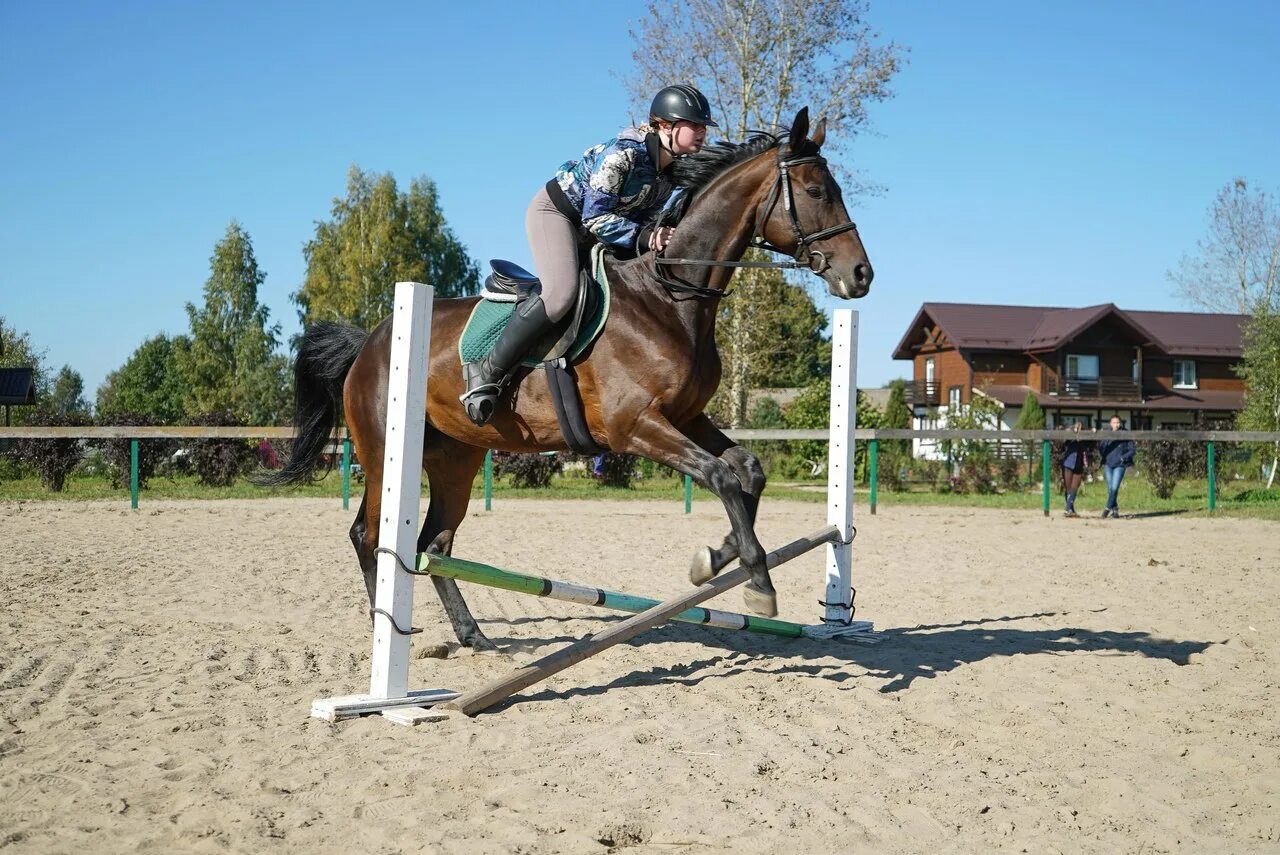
(1034, 153)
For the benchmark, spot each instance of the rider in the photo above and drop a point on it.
(613, 194)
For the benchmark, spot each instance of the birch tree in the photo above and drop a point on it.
(758, 62)
(1236, 267)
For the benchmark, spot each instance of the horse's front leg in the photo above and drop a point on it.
(655, 438)
(707, 561)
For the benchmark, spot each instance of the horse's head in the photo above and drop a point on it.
(804, 214)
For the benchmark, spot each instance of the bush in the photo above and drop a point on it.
(1007, 474)
(767, 413)
(218, 462)
(617, 470)
(1164, 461)
(527, 470)
(52, 459)
(974, 477)
(152, 453)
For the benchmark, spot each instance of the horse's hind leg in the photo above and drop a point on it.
(366, 546)
(451, 467)
(707, 561)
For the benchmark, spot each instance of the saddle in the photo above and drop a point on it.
(511, 283)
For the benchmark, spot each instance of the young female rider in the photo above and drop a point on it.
(613, 194)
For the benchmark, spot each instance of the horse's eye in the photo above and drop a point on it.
(815, 192)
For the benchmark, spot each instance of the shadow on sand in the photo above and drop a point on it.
(903, 655)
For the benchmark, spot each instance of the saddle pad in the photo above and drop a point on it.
(489, 318)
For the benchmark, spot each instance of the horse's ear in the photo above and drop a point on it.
(819, 135)
(800, 126)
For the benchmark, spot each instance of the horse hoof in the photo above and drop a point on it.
(701, 572)
(765, 605)
(480, 644)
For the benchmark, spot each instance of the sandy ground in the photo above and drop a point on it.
(1042, 686)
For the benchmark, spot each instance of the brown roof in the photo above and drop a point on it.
(973, 326)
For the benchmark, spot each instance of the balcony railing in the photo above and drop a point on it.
(924, 393)
(1095, 388)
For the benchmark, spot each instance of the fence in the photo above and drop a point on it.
(871, 436)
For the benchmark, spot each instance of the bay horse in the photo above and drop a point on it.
(644, 382)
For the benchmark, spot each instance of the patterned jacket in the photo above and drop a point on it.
(615, 191)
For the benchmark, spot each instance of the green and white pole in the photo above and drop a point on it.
(133, 474)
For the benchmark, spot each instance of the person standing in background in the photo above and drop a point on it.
(1073, 467)
(1117, 455)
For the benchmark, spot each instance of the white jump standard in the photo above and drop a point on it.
(398, 560)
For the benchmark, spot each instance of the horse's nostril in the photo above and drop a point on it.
(863, 274)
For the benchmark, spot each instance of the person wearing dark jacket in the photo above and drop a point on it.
(1117, 455)
(1073, 465)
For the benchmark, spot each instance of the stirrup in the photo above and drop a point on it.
(481, 402)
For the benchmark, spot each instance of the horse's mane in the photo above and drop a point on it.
(696, 171)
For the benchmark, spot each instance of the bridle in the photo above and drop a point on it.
(805, 255)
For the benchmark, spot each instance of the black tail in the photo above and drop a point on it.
(324, 358)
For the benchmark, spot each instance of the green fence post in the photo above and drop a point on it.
(1213, 480)
(346, 473)
(688, 493)
(488, 480)
(133, 473)
(1044, 467)
(873, 461)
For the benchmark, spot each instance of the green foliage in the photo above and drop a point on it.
(895, 454)
(229, 364)
(218, 462)
(766, 413)
(1260, 369)
(982, 413)
(1164, 461)
(52, 459)
(67, 395)
(379, 236)
(1032, 417)
(527, 470)
(149, 383)
(18, 351)
(618, 470)
(116, 452)
(811, 410)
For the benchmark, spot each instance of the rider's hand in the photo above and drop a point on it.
(660, 237)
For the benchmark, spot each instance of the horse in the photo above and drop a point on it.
(644, 382)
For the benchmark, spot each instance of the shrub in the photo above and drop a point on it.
(1007, 473)
(52, 459)
(1164, 461)
(527, 470)
(218, 462)
(617, 470)
(152, 453)
(767, 413)
(974, 477)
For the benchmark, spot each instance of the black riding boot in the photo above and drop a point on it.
(486, 378)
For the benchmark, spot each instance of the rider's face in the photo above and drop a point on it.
(687, 137)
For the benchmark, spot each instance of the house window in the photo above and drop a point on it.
(928, 370)
(1137, 371)
(953, 398)
(1184, 374)
(1066, 420)
(1081, 367)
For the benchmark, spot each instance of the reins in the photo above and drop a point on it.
(805, 255)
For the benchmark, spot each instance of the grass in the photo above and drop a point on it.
(1235, 498)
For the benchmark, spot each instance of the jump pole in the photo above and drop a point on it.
(570, 592)
(398, 530)
(478, 700)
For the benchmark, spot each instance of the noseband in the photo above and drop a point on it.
(805, 256)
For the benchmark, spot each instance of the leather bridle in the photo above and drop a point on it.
(805, 255)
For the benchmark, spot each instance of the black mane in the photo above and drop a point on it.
(696, 171)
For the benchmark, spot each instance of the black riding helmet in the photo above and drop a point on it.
(682, 103)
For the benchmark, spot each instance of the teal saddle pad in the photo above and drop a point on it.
(489, 319)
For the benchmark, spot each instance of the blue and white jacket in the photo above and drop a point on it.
(615, 191)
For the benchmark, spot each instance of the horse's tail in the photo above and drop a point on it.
(325, 356)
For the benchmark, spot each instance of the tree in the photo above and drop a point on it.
(149, 383)
(229, 364)
(1031, 418)
(18, 351)
(762, 60)
(1237, 265)
(1260, 369)
(67, 395)
(379, 236)
(895, 454)
(812, 409)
